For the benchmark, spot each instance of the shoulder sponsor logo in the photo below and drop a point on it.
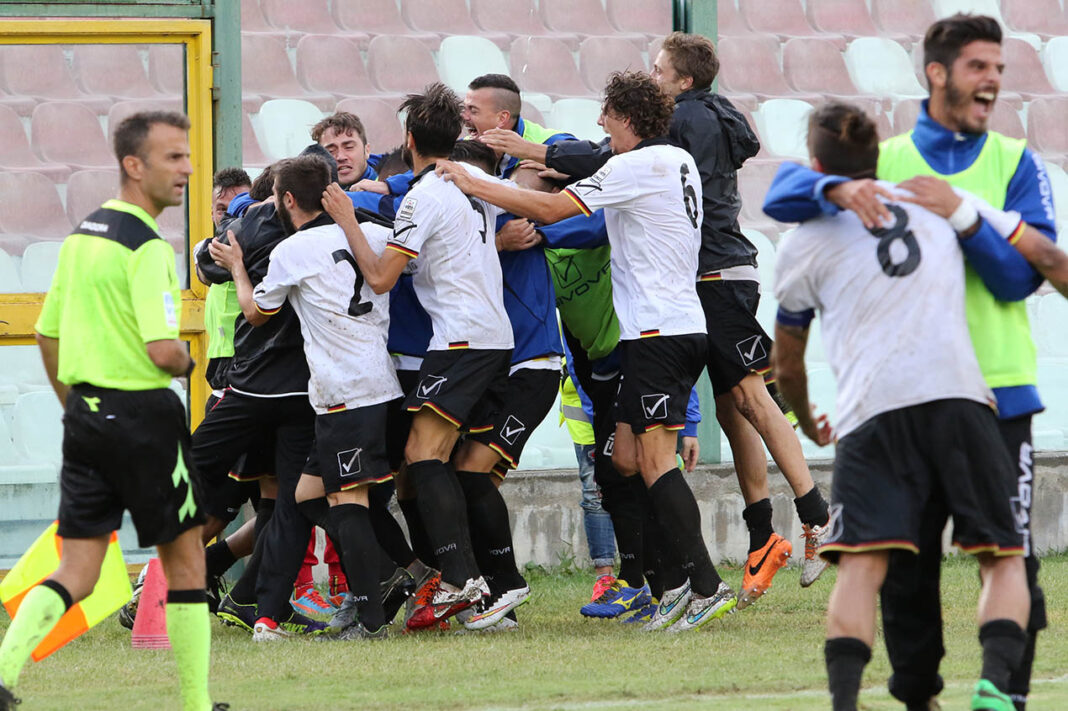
(594, 181)
(512, 429)
(751, 350)
(655, 406)
(89, 226)
(348, 461)
(407, 209)
(169, 312)
(430, 385)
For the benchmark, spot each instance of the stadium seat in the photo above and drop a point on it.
(816, 65)
(1052, 336)
(532, 113)
(907, 17)
(730, 22)
(446, 17)
(545, 65)
(784, 127)
(251, 153)
(753, 181)
(40, 71)
(515, 18)
(462, 58)
(30, 205)
(252, 19)
(990, 8)
(10, 281)
(124, 109)
(751, 64)
(1023, 69)
(846, 17)
(784, 18)
(881, 67)
(87, 190)
(577, 117)
(267, 73)
(1058, 180)
(38, 427)
(70, 133)
(1053, 385)
(38, 265)
(332, 64)
(378, 18)
(1055, 60)
(285, 126)
(1047, 125)
(600, 56)
(15, 153)
(304, 17)
(22, 366)
(765, 256)
(114, 70)
(643, 17)
(380, 120)
(166, 68)
(387, 52)
(1041, 17)
(586, 17)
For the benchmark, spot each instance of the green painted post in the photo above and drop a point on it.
(226, 92)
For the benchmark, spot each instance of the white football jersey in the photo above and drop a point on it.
(458, 280)
(652, 207)
(344, 323)
(892, 307)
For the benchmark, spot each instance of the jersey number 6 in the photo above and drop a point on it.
(888, 235)
(689, 196)
(356, 307)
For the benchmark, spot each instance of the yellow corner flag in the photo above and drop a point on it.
(112, 590)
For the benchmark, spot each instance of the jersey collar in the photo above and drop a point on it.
(130, 208)
(419, 176)
(319, 221)
(655, 141)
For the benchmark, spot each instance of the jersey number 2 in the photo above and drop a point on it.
(356, 307)
(888, 235)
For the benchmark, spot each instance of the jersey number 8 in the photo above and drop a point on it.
(888, 235)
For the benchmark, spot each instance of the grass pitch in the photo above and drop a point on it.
(768, 657)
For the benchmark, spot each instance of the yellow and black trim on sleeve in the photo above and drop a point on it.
(410, 253)
(1017, 233)
(578, 201)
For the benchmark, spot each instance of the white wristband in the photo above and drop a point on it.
(963, 217)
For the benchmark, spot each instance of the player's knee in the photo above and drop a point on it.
(867, 569)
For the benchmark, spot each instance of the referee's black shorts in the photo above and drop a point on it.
(127, 450)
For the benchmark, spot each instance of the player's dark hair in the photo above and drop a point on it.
(506, 94)
(844, 139)
(635, 96)
(130, 135)
(232, 177)
(263, 186)
(693, 56)
(305, 178)
(434, 119)
(392, 163)
(343, 123)
(946, 38)
(476, 153)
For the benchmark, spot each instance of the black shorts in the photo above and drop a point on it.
(529, 397)
(235, 491)
(737, 343)
(466, 386)
(127, 450)
(887, 469)
(350, 448)
(658, 375)
(399, 421)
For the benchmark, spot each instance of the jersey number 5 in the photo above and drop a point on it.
(689, 196)
(888, 235)
(356, 307)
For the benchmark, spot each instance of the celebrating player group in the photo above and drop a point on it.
(396, 324)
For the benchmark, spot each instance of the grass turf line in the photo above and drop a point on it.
(769, 656)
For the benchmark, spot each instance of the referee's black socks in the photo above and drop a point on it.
(359, 556)
(846, 658)
(442, 508)
(487, 514)
(1003, 643)
(676, 510)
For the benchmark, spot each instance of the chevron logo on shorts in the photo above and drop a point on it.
(348, 461)
(512, 429)
(430, 385)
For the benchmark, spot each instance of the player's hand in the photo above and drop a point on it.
(932, 193)
(544, 171)
(818, 430)
(505, 140)
(337, 204)
(861, 197)
(455, 174)
(516, 235)
(226, 255)
(371, 186)
(691, 450)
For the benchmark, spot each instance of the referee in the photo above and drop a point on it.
(108, 334)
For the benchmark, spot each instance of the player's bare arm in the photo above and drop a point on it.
(50, 355)
(1045, 256)
(505, 140)
(543, 207)
(380, 273)
(230, 257)
(788, 361)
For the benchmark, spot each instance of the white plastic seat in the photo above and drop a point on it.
(1055, 61)
(38, 427)
(1051, 334)
(881, 66)
(550, 445)
(285, 126)
(461, 58)
(1059, 182)
(10, 282)
(38, 265)
(990, 8)
(22, 366)
(1053, 385)
(783, 126)
(577, 117)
